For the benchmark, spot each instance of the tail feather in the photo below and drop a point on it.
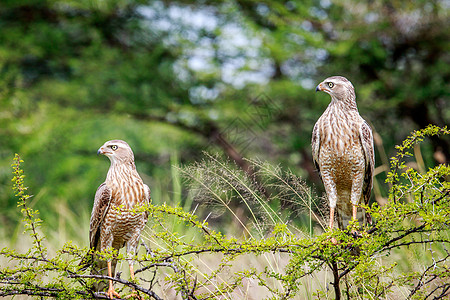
(99, 267)
(344, 218)
(86, 261)
(369, 219)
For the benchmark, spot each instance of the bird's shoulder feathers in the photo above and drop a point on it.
(366, 138)
(148, 198)
(315, 142)
(102, 202)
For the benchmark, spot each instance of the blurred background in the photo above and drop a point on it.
(176, 78)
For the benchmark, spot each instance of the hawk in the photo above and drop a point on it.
(342, 150)
(113, 221)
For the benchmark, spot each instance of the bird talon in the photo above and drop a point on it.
(356, 234)
(134, 295)
(112, 293)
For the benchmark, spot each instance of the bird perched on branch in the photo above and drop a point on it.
(113, 221)
(342, 149)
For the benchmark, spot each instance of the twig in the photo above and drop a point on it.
(122, 281)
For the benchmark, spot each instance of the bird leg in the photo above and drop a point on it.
(132, 271)
(355, 233)
(111, 292)
(333, 240)
(331, 217)
(134, 293)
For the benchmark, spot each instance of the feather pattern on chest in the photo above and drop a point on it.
(126, 186)
(338, 128)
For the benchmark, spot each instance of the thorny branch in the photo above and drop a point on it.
(313, 251)
(420, 281)
(119, 280)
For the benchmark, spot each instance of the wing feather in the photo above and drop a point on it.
(101, 205)
(367, 145)
(148, 198)
(315, 143)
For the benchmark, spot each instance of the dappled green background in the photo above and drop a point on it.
(174, 78)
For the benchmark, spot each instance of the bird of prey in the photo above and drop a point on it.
(342, 149)
(113, 221)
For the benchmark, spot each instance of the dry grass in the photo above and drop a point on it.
(254, 216)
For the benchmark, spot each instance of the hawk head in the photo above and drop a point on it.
(117, 151)
(338, 87)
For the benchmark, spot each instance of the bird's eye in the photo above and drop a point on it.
(114, 147)
(331, 85)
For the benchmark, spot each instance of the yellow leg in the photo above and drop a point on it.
(131, 271)
(111, 292)
(331, 217)
(355, 232)
(333, 240)
(133, 294)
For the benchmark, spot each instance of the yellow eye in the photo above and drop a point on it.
(331, 85)
(114, 147)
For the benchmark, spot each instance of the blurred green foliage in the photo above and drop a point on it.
(173, 78)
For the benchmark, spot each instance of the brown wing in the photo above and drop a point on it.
(148, 199)
(101, 206)
(315, 145)
(367, 145)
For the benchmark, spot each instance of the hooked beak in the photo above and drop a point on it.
(101, 150)
(319, 87)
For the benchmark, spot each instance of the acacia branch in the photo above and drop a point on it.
(119, 280)
(415, 242)
(420, 282)
(46, 292)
